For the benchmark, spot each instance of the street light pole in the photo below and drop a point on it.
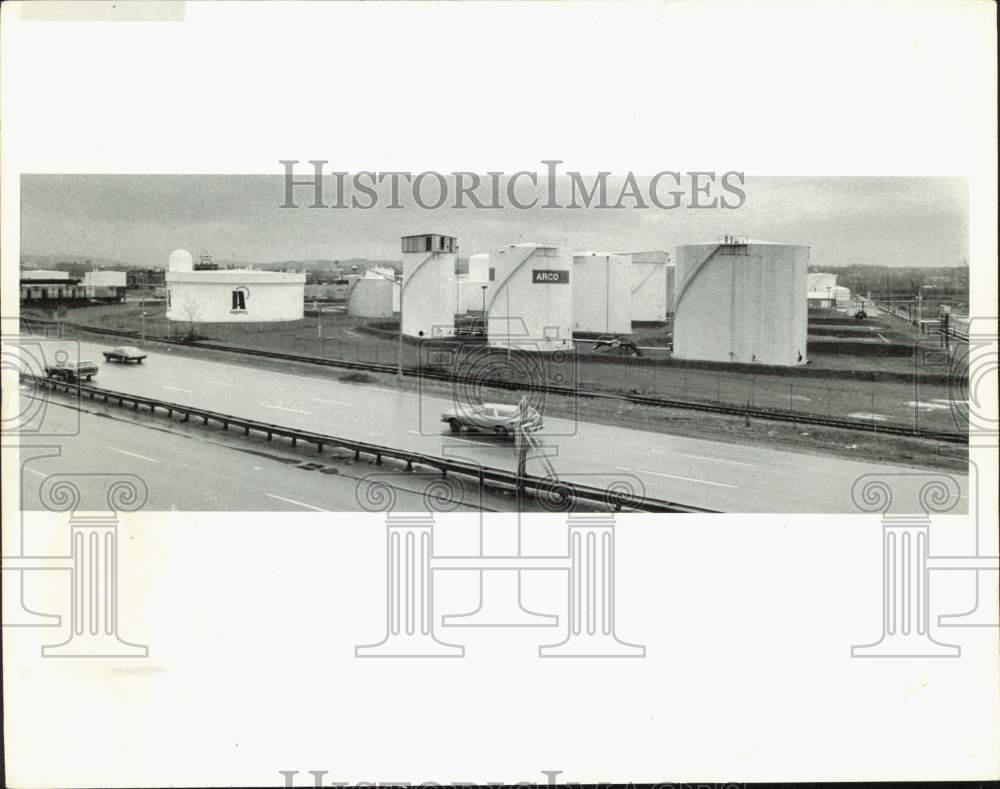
(399, 352)
(486, 332)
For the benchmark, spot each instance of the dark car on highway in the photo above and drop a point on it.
(71, 371)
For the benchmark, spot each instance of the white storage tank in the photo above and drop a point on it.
(652, 290)
(469, 287)
(529, 302)
(428, 299)
(818, 282)
(741, 301)
(180, 260)
(602, 293)
(371, 297)
(234, 296)
(382, 272)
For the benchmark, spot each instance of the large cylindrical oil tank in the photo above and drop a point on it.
(529, 302)
(428, 298)
(602, 293)
(741, 301)
(652, 289)
(371, 297)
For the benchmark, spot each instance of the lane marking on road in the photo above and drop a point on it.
(720, 460)
(299, 503)
(177, 389)
(35, 471)
(334, 402)
(133, 454)
(223, 383)
(282, 408)
(674, 476)
(656, 451)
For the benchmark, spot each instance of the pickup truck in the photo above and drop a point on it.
(71, 371)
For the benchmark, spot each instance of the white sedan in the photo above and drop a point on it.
(497, 417)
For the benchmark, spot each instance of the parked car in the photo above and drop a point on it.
(71, 371)
(496, 417)
(125, 354)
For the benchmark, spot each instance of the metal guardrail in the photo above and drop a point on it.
(772, 414)
(557, 490)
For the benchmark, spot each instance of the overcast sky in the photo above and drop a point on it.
(141, 219)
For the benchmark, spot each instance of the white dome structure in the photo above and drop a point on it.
(180, 260)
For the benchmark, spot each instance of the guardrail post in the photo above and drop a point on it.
(591, 590)
(409, 593)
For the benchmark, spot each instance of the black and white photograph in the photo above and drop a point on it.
(464, 393)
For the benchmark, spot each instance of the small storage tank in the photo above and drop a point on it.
(371, 297)
(180, 260)
(652, 291)
(818, 282)
(428, 300)
(602, 293)
(382, 272)
(529, 302)
(741, 301)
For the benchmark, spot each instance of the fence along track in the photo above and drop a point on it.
(772, 414)
(558, 490)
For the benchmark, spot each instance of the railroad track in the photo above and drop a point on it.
(555, 494)
(748, 411)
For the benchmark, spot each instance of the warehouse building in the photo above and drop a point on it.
(231, 296)
(602, 293)
(529, 302)
(652, 291)
(741, 301)
(38, 286)
(428, 301)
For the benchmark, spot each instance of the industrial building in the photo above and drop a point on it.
(652, 292)
(37, 286)
(741, 301)
(602, 293)
(231, 296)
(529, 302)
(428, 301)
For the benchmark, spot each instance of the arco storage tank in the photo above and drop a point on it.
(741, 301)
(602, 293)
(652, 291)
(428, 299)
(529, 302)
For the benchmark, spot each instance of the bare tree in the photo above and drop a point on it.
(191, 311)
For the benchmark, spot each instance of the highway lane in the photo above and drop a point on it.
(712, 474)
(188, 469)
